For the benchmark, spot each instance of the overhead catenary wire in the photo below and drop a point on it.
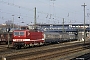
(72, 13)
(46, 14)
(12, 4)
(9, 13)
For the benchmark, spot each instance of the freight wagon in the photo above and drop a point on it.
(25, 38)
(4, 37)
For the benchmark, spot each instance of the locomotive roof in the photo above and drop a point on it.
(21, 30)
(28, 30)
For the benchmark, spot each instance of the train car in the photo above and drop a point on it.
(24, 38)
(55, 37)
(4, 37)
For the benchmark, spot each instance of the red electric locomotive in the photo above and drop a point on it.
(24, 38)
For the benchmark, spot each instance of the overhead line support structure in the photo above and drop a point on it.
(35, 20)
(84, 22)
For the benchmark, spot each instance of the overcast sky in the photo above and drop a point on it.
(48, 11)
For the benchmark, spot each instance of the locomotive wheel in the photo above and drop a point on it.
(19, 47)
(25, 46)
(58, 42)
(38, 44)
(16, 47)
(31, 45)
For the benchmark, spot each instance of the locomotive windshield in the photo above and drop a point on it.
(19, 33)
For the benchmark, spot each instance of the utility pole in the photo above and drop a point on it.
(8, 39)
(35, 19)
(84, 22)
(8, 36)
(63, 25)
(13, 21)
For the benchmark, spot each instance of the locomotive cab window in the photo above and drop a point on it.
(16, 33)
(19, 33)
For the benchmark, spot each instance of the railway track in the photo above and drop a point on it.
(4, 50)
(4, 47)
(47, 54)
(30, 51)
(82, 57)
(51, 56)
